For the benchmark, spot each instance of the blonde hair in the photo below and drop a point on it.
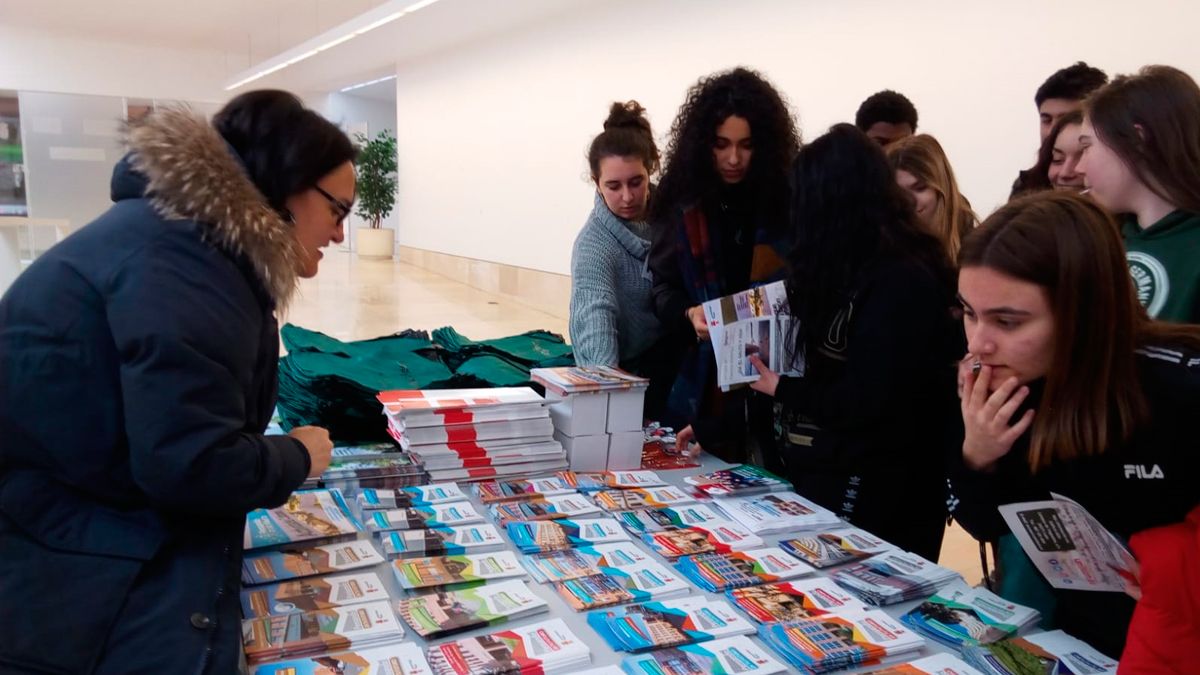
(923, 157)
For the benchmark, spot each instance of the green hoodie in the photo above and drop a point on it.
(1164, 260)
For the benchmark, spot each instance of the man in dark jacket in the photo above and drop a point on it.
(139, 373)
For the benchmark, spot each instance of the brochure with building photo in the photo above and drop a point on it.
(754, 322)
(403, 659)
(439, 614)
(668, 623)
(271, 566)
(309, 593)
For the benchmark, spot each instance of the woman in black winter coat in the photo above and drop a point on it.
(139, 373)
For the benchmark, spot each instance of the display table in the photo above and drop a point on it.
(602, 654)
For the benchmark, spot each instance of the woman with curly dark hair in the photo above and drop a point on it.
(720, 218)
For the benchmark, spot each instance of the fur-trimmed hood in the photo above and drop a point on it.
(192, 174)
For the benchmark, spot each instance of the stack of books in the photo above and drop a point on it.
(541, 648)
(738, 481)
(541, 536)
(642, 498)
(439, 541)
(836, 641)
(517, 489)
(543, 508)
(309, 516)
(618, 585)
(1050, 652)
(776, 512)
(894, 576)
(670, 623)
(791, 600)
(451, 571)
(959, 616)
(377, 465)
(403, 659)
(580, 562)
(721, 536)
(642, 521)
(837, 546)
(938, 664)
(717, 572)
(719, 657)
(311, 593)
(436, 615)
(294, 563)
(420, 517)
(474, 434)
(319, 631)
(371, 499)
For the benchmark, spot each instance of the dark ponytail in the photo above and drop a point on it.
(626, 134)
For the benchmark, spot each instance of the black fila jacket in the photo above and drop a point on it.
(1152, 480)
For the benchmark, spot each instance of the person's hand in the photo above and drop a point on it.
(320, 448)
(768, 380)
(989, 436)
(685, 442)
(696, 316)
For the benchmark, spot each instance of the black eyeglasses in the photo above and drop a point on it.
(343, 209)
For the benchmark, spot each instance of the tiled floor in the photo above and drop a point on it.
(353, 299)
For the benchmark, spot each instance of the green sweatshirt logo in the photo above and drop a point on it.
(1150, 279)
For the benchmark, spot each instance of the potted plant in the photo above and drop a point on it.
(376, 165)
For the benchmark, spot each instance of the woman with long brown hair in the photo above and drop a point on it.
(1141, 159)
(923, 170)
(1075, 383)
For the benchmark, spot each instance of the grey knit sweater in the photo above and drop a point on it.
(612, 310)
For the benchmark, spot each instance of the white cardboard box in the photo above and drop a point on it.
(625, 450)
(585, 453)
(625, 410)
(579, 414)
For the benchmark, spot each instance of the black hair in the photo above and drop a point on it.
(626, 134)
(1072, 83)
(284, 147)
(886, 106)
(847, 214)
(690, 175)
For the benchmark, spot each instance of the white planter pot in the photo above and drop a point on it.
(372, 243)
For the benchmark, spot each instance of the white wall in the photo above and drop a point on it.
(492, 136)
(33, 62)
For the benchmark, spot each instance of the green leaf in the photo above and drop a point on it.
(377, 181)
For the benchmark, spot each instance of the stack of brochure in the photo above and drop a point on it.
(543, 508)
(1050, 652)
(720, 571)
(456, 570)
(721, 536)
(309, 516)
(470, 434)
(618, 585)
(618, 480)
(580, 562)
(777, 512)
(567, 380)
(938, 664)
(836, 546)
(403, 659)
(377, 465)
(371, 499)
(835, 641)
(787, 601)
(517, 489)
(303, 595)
(417, 517)
(294, 563)
(541, 536)
(960, 616)
(541, 648)
(436, 615)
(720, 657)
(439, 541)
(894, 576)
(658, 520)
(670, 623)
(738, 481)
(324, 630)
(641, 498)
